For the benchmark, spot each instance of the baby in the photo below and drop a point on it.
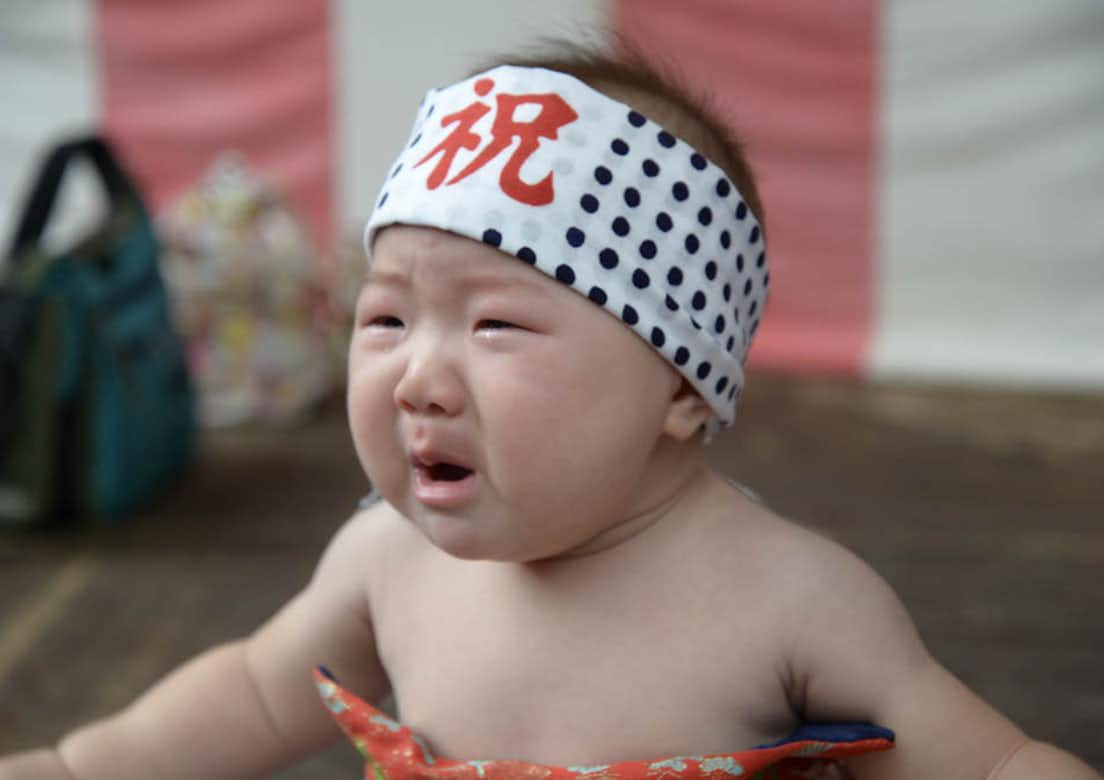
(567, 270)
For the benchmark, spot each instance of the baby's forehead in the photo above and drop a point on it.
(404, 255)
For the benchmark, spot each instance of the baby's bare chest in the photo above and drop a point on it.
(490, 666)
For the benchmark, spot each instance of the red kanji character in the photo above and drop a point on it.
(460, 138)
(553, 113)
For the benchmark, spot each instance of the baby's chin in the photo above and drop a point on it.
(460, 537)
(469, 540)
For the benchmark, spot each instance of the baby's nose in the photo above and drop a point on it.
(430, 385)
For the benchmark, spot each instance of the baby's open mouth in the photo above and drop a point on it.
(440, 470)
(446, 472)
(442, 483)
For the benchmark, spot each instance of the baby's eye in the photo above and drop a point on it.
(493, 325)
(386, 321)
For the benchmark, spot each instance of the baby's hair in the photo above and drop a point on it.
(658, 93)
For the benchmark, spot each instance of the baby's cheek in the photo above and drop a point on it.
(371, 418)
(518, 388)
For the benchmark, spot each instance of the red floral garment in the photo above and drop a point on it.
(393, 752)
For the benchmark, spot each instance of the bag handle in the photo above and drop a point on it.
(17, 318)
(41, 203)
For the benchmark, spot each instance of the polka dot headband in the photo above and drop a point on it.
(594, 194)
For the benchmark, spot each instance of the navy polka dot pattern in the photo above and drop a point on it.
(639, 222)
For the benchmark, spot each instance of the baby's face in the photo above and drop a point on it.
(505, 415)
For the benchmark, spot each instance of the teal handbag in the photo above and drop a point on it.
(96, 406)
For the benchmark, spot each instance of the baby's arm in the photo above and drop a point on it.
(247, 707)
(859, 657)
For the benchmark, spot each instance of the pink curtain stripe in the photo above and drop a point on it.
(182, 82)
(799, 82)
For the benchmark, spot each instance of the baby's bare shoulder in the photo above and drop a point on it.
(372, 544)
(741, 519)
(828, 603)
(376, 523)
(807, 574)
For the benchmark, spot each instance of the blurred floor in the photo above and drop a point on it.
(982, 509)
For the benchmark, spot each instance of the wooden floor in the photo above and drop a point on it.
(983, 510)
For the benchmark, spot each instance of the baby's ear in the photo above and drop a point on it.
(687, 413)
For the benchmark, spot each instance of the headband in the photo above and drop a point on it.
(594, 194)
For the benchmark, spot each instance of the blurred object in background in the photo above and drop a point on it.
(344, 267)
(96, 406)
(251, 299)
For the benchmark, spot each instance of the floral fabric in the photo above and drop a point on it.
(394, 752)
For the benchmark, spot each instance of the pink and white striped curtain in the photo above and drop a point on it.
(933, 171)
